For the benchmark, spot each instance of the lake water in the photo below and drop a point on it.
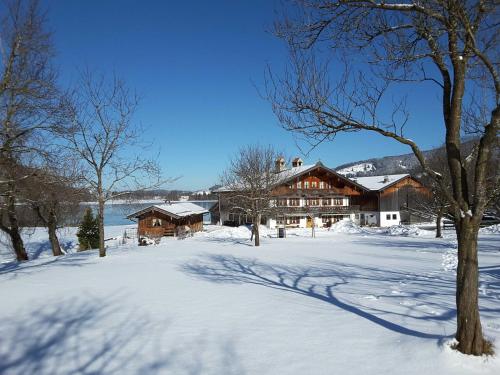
(116, 213)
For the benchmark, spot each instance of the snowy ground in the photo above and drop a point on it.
(351, 301)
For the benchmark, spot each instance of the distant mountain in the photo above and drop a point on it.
(404, 163)
(380, 166)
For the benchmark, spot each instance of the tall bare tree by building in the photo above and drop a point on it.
(248, 182)
(452, 45)
(108, 141)
(434, 206)
(30, 104)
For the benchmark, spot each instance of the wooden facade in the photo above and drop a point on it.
(158, 224)
(320, 192)
(169, 220)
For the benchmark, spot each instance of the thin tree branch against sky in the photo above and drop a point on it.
(197, 67)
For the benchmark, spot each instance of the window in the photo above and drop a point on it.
(388, 216)
(394, 216)
(338, 201)
(312, 202)
(314, 184)
(293, 220)
(321, 185)
(281, 202)
(327, 201)
(294, 202)
(306, 184)
(156, 222)
(299, 184)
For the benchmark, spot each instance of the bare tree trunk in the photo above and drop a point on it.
(52, 227)
(313, 231)
(102, 249)
(439, 218)
(256, 224)
(14, 232)
(469, 332)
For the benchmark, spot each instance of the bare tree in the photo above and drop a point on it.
(54, 195)
(30, 104)
(435, 205)
(108, 142)
(248, 183)
(452, 45)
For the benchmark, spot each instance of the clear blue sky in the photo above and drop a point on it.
(196, 65)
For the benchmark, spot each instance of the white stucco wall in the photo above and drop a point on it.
(371, 218)
(394, 218)
(271, 223)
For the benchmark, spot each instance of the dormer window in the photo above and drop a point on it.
(297, 162)
(280, 164)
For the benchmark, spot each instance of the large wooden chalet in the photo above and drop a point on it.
(316, 194)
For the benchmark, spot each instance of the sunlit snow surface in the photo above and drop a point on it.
(350, 301)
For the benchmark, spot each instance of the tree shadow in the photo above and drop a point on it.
(322, 283)
(230, 241)
(490, 281)
(38, 248)
(64, 338)
(90, 336)
(402, 244)
(16, 268)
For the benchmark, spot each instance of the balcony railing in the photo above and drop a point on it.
(314, 192)
(318, 209)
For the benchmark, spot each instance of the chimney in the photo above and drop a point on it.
(280, 164)
(297, 162)
(386, 179)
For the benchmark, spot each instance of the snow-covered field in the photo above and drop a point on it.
(350, 301)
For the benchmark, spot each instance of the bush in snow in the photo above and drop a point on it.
(88, 231)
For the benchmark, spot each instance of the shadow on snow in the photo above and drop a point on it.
(323, 282)
(83, 335)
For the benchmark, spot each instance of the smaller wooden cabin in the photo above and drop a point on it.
(168, 219)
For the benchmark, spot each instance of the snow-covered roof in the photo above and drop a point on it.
(292, 172)
(178, 209)
(378, 182)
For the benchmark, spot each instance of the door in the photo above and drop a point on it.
(309, 222)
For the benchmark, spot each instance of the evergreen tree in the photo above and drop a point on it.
(88, 231)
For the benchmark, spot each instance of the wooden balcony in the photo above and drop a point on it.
(318, 209)
(311, 193)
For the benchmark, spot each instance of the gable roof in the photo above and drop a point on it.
(295, 172)
(176, 210)
(377, 183)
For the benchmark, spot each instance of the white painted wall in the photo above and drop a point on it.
(318, 222)
(271, 223)
(303, 222)
(371, 218)
(394, 218)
